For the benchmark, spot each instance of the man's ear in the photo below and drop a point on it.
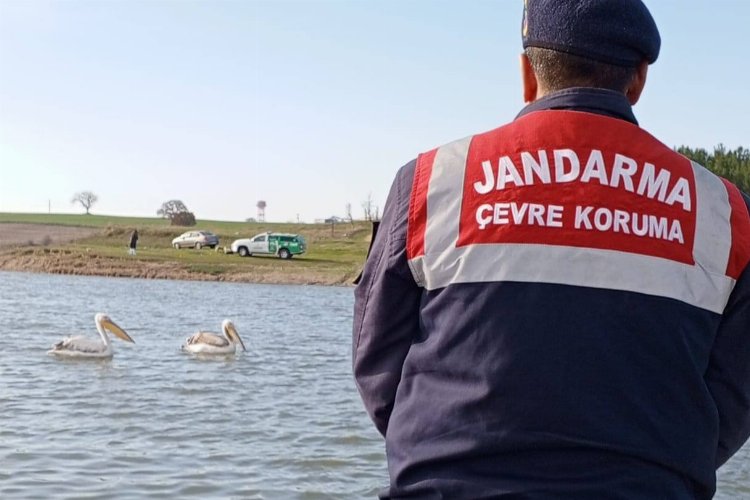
(634, 90)
(528, 80)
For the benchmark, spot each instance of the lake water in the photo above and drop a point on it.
(282, 420)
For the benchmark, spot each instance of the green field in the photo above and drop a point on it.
(334, 256)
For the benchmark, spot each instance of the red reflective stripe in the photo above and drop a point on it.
(739, 255)
(418, 205)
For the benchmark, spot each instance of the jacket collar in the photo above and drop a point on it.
(587, 99)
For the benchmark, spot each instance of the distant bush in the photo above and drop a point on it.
(177, 213)
(110, 231)
(183, 219)
(46, 240)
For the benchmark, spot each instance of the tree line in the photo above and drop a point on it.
(733, 165)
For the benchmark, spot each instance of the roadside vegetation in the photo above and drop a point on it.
(334, 256)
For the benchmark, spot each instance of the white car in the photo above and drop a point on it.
(281, 244)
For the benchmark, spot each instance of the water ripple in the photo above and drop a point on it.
(280, 421)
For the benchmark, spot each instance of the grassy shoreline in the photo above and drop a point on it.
(99, 248)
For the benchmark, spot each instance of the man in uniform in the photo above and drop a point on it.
(560, 307)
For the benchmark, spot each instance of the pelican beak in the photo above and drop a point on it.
(235, 336)
(112, 327)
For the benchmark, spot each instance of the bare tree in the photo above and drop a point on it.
(368, 207)
(86, 199)
(349, 213)
(177, 213)
(170, 208)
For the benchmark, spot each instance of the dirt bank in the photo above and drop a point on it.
(65, 261)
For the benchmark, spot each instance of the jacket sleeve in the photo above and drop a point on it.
(728, 373)
(386, 307)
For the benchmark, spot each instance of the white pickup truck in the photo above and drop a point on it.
(280, 244)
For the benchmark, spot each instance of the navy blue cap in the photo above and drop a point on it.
(619, 32)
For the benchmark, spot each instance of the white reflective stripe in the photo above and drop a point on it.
(416, 265)
(713, 231)
(444, 195)
(612, 270)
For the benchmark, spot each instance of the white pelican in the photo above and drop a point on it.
(212, 343)
(80, 346)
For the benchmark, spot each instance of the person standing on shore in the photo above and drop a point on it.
(560, 307)
(133, 242)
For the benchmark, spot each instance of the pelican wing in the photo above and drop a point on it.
(208, 339)
(79, 343)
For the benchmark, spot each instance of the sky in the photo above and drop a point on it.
(309, 105)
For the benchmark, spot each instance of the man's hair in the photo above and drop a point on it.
(557, 70)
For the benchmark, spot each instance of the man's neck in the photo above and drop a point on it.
(587, 99)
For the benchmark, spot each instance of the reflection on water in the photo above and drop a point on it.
(282, 420)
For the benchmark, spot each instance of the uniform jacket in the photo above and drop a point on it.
(557, 308)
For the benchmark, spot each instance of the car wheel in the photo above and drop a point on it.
(243, 252)
(285, 254)
(212, 247)
(176, 246)
(198, 246)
